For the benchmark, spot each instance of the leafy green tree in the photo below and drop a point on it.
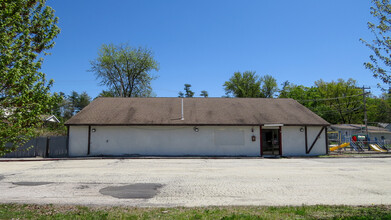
(243, 85)
(204, 94)
(380, 60)
(269, 86)
(83, 100)
(74, 103)
(27, 28)
(336, 101)
(106, 93)
(348, 106)
(188, 92)
(125, 70)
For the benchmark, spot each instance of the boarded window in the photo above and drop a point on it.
(229, 137)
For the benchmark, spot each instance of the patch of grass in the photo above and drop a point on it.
(23, 211)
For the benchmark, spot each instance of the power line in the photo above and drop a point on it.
(335, 110)
(335, 98)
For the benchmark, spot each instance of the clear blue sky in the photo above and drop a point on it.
(203, 42)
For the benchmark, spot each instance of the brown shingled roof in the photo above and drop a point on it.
(197, 111)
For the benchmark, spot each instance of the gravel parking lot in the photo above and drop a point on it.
(198, 182)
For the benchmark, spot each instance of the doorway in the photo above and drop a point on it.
(270, 142)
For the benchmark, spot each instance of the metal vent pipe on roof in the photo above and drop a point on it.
(182, 118)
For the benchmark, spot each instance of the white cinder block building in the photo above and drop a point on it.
(196, 127)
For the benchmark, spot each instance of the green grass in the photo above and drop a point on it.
(17, 211)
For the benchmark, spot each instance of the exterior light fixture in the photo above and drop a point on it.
(301, 129)
(93, 130)
(196, 129)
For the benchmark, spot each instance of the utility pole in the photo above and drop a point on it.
(365, 108)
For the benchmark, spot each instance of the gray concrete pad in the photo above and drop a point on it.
(199, 182)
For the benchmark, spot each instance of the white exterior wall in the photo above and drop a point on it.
(78, 140)
(183, 140)
(293, 141)
(174, 140)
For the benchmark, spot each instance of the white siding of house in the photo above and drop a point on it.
(78, 140)
(293, 141)
(183, 140)
(174, 141)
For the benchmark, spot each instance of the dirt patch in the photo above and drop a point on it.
(133, 191)
(1, 177)
(31, 183)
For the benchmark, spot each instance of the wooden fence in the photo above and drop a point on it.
(53, 146)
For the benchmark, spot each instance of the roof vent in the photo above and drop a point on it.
(182, 118)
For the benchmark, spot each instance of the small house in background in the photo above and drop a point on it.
(346, 131)
(196, 127)
(49, 119)
(385, 125)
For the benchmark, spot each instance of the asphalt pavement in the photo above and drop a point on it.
(198, 182)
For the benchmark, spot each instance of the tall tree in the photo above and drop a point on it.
(243, 85)
(204, 94)
(74, 103)
(188, 92)
(337, 101)
(83, 100)
(350, 101)
(269, 86)
(106, 93)
(125, 70)
(27, 28)
(380, 60)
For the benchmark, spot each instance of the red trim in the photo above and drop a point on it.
(260, 140)
(279, 140)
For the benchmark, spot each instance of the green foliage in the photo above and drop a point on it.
(250, 85)
(339, 102)
(106, 93)
(181, 94)
(204, 94)
(346, 107)
(188, 92)
(27, 28)
(20, 211)
(72, 104)
(246, 85)
(380, 60)
(269, 86)
(125, 70)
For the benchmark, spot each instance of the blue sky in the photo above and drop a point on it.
(204, 42)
